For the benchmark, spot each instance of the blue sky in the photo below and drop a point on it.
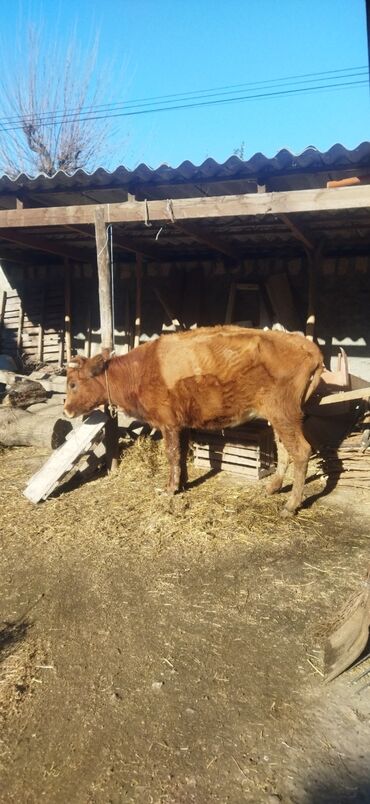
(160, 47)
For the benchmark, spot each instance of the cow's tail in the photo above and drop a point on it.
(313, 381)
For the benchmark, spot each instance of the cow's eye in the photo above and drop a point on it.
(72, 385)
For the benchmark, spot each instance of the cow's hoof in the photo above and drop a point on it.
(171, 491)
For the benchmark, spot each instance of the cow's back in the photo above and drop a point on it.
(221, 376)
(225, 351)
(216, 351)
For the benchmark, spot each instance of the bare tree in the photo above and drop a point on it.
(48, 110)
(240, 152)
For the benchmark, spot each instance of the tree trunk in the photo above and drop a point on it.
(25, 393)
(42, 429)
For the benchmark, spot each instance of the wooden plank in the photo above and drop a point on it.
(280, 295)
(275, 203)
(230, 449)
(345, 396)
(255, 472)
(104, 276)
(357, 382)
(9, 320)
(61, 461)
(240, 470)
(235, 460)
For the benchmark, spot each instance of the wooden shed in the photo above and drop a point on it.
(261, 241)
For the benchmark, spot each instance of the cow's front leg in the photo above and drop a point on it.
(173, 452)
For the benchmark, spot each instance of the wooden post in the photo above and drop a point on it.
(169, 313)
(20, 327)
(313, 258)
(128, 329)
(67, 309)
(2, 312)
(88, 330)
(40, 339)
(104, 276)
(106, 324)
(139, 275)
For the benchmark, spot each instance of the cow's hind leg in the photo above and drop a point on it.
(171, 438)
(276, 481)
(299, 450)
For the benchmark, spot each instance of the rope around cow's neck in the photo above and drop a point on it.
(113, 410)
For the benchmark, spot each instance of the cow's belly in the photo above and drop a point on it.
(208, 403)
(222, 421)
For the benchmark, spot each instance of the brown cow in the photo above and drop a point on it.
(208, 378)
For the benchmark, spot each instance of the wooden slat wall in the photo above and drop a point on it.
(31, 323)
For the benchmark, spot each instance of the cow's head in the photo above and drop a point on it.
(86, 384)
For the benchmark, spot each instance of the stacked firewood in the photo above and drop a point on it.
(349, 464)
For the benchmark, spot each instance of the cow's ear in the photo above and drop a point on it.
(96, 366)
(76, 362)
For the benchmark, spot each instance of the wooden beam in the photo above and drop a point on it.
(297, 232)
(127, 244)
(43, 245)
(208, 238)
(104, 277)
(293, 201)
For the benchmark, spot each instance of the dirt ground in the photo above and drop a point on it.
(164, 651)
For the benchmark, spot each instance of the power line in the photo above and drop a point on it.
(351, 72)
(200, 97)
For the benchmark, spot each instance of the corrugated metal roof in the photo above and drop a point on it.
(239, 237)
(258, 167)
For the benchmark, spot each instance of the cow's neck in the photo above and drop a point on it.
(121, 383)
